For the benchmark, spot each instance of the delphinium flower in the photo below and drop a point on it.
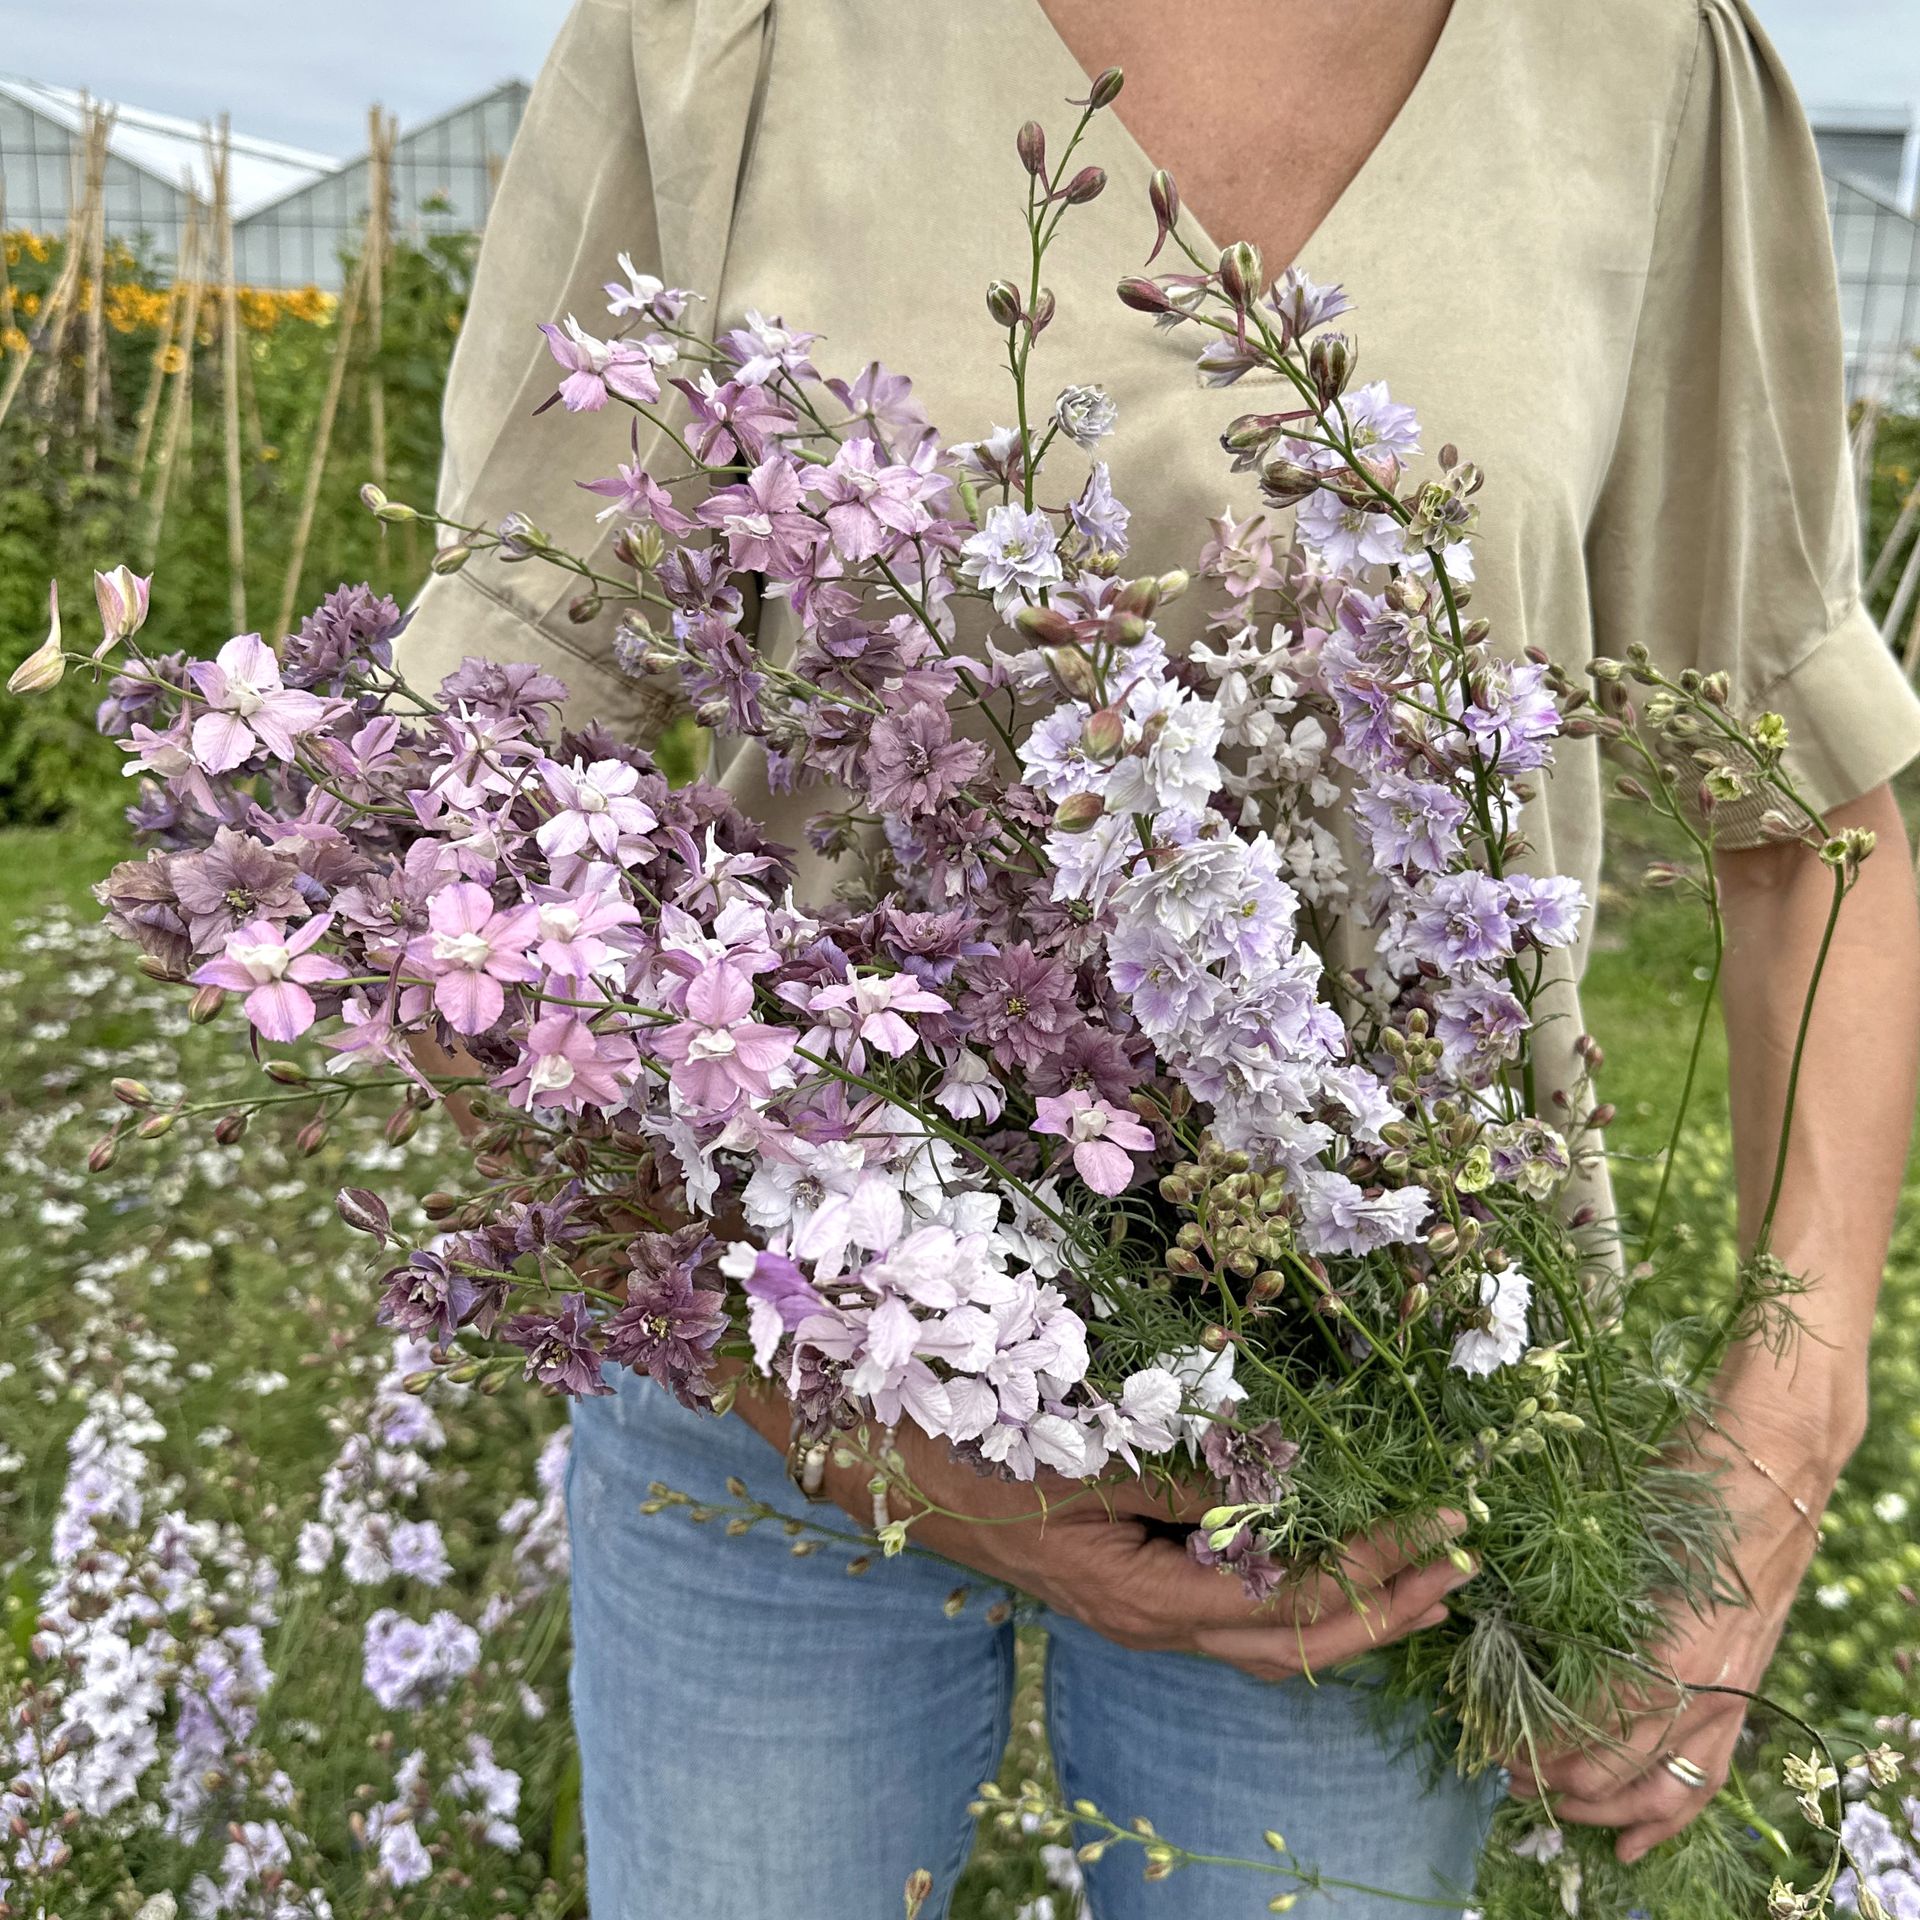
(1100, 1137)
(598, 368)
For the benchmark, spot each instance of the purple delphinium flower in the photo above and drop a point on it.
(233, 881)
(870, 505)
(470, 948)
(765, 520)
(595, 806)
(563, 1349)
(595, 368)
(142, 906)
(669, 1326)
(427, 1297)
(1548, 907)
(914, 765)
(1462, 920)
(882, 407)
(717, 1054)
(274, 969)
(1410, 823)
(1099, 514)
(646, 296)
(1021, 1006)
(763, 348)
(496, 690)
(1101, 1135)
(1249, 1463)
(248, 708)
(731, 417)
(636, 494)
(566, 1064)
(1014, 555)
(722, 677)
(1338, 1216)
(351, 626)
(1479, 1026)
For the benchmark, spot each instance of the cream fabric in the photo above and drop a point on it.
(1591, 251)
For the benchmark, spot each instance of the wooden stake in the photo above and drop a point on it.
(163, 349)
(1884, 559)
(1903, 597)
(6, 284)
(93, 392)
(380, 134)
(322, 440)
(219, 156)
(1866, 435)
(177, 441)
(86, 186)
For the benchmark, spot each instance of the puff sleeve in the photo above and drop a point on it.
(634, 140)
(1724, 536)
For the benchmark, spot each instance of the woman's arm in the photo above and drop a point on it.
(1790, 1418)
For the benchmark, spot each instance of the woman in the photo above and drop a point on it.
(1589, 244)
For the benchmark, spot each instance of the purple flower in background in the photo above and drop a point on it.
(882, 407)
(1100, 1134)
(669, 1325)
(915, 765)
(563, 1349)
(500, 690)
(408, 1663)
(722, 675)
(634, 492)
(1347, 537)
(470, 949)
(351, 626)
(763, 348)
(1548, 907)
(596, 368)
(274, 969)
(646, 297)
(249, 708)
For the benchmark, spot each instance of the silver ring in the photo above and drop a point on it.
(1689, 1773)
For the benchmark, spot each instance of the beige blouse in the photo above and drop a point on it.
(1591, 251)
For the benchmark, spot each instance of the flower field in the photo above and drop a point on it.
(317, 1624)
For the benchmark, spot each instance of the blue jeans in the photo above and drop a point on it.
(765, 1738)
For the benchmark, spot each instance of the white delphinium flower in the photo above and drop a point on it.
(1505, 1297)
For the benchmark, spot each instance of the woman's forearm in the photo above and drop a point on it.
(1854, 1101)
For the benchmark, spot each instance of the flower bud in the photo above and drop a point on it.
(1106, 89)
(1043, 311)
(1077, 812)
(122, 598)
(451, 559)
(154, 1125)
(1030, 143)
(1047, 625)
(1173, 583)
(394, 513)
(1164, 197)
(363, 1211)
(1216, 1339)
(1143, 295)
(1003, 303)
(1105, 735)
(229, 1127)
(438, 1204)
(1330, 365)
(105, 1149)
(1088, 184)
(131, 1093)
(1073, 671)
(372, 498)
(1240, 273)
(46, 665)
(583, 608)
(401, 1126)
(205, 1005)
(312, 1137)
(289, 1073)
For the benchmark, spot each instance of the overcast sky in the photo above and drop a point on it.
(304, 73)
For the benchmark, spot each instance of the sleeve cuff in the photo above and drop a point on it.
(1853, 721)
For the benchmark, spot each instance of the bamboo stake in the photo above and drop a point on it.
(163, 350)
(6, 284)
(1903, 597)
(177, 441)
(96, 364)
(51, 318)
(380, 131)
(219, 159)
(1866, 435)
(1883, 561)
(85, 184)
(322, 439)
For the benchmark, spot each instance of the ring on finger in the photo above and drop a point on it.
(1689, 1773)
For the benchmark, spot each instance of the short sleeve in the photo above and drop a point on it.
(1725, 535)
(634, 140)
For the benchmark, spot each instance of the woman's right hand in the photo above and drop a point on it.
(1091, 1554)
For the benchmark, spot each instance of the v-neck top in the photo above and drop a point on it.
(1591, 250)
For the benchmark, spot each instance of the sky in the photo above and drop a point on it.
(305, 73)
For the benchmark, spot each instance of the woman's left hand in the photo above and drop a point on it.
(1779, 1448)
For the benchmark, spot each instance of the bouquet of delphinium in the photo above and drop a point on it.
(1053, 1134)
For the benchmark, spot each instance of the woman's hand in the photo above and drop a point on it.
(1779, 1447)
(1092, 1554)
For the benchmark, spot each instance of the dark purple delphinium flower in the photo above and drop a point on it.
(142, 907)
(563, 1349)
(928, 945)
(721, 677)
(426, 1298)
(390, 906)
(1258, 1570)
(914, 764)
(669, 1325)
(1020, 1006)
(542, 1226)
(697, 580)
(1250, 1464)
(236, 880)
(351, 626)
(500, 691)
(1093, 1059)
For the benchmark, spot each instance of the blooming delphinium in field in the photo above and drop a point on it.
(1053, 1134)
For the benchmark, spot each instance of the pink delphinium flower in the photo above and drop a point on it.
(566, 1064)
(717, 1054)
(469, 949)
(596, 368)
(1101, 1136)
(594, 805)
(856, 1014)
(274, 969)
(764, 519)
(248, 706)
